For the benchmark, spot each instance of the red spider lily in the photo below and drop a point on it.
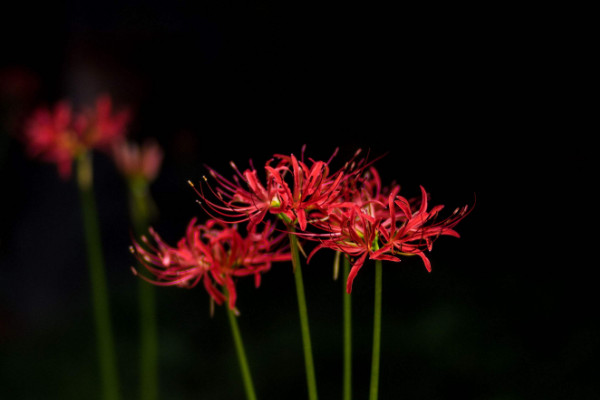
(409, 233)
(368, 227)
(135, 161)
(59, 135)
(352, 231)
(237, 203)
(313, 188)
(214, 253)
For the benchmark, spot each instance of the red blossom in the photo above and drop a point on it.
(378, 223)
(134, 161)
(293, 189)
(214, 253)
(408, 232)
(60, 135)
(353, 231)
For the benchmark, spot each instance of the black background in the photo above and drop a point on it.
(452, 96)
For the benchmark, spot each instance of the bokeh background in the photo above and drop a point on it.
(449, 95)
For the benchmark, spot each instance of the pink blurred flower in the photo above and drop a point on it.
(214, 253)
(60, 135)
(133, 160)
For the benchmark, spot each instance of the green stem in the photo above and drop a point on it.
(148, 342)
(99, 292)
(347, 334)
(140, 202)
(376, 332)
(308, 358)
(241, 354)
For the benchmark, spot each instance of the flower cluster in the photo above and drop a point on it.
(347, 211)
(213, 253)
(61, 135)
(383, 230)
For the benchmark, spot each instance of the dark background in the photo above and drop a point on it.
(451, 95)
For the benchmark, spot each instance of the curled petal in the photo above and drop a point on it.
(355, 268)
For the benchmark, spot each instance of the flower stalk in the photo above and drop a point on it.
(304, 326)
(99, 292)
(347, 304)
(376, 352)
(140, 208)
(241, 355)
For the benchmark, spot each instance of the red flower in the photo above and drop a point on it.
(136, 161)
(410, 233)
(214, 253)
(292, 190)
(240, 203)
(381, 227)
(59, 136)
(353, 231)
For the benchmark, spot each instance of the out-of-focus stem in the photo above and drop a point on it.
(99, 292)
(140, 205)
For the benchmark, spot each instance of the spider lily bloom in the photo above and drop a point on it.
(135, 161)
(350, 229)
(239, 204)
(312, 188)
(315, 189)
(60, 136)
(235, 256)
(214, 253)
(368, 228)
(410, 233)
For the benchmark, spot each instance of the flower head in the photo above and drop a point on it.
(354, 231)
(409, 232)
(135, 161)
(214, 253)
(380, 224)
(60, 135)
(293, 189)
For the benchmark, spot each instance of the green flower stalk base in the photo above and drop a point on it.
(308, 358)
(148, 342)
(140, 205)
(376, 332)
(241, 354)
(347, 301)
(99, 292)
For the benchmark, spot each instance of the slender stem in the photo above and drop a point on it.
(241, 354)
(376, 332)
(347, 334)
(308, 358)
(99, 292)
(139, 202)
(148, 342)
